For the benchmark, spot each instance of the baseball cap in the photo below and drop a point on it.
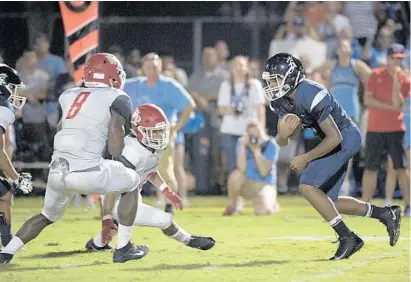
(396, 51)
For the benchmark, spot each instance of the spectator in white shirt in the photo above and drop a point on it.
(240, 100)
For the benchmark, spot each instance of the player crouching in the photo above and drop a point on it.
(143, 147)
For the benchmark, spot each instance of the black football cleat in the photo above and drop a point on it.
(391, 218)
(202, 243)
(93, 247)
(347, 246)
(5, 258)
(130, 252)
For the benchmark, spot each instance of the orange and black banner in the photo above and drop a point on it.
(81, 27)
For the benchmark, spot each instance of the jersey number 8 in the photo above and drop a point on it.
(77, 103)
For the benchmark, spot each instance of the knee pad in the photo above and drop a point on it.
(150, 216)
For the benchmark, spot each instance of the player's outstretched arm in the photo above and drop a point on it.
(159, 183)
(332, 139)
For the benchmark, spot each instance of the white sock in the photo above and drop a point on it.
(181, 236)
(12, 247)
(98, 240)
(335, 220)
(123, 235)
(369, 210)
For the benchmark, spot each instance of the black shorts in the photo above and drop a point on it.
(381, 144)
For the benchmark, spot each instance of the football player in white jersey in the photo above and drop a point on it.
(10, 180)
(149, 137)
(92, 115)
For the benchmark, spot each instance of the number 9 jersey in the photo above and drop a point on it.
(84, 124)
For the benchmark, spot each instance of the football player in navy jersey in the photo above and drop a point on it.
(324, 167)
(11, 182)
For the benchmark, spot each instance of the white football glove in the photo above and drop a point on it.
(22, 185)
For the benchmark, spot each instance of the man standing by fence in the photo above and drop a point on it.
(172, 98)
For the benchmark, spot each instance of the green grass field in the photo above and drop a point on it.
(293, 245)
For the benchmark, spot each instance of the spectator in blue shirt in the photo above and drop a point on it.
(256, 174)
(54, 66)
(172, 98)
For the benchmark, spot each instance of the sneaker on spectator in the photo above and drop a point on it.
(407, 211)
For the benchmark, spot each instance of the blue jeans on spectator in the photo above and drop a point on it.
(228, 148)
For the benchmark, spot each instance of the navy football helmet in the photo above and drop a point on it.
(10, 80)
(283, 72)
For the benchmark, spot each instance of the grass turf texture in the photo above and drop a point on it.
(280, 247)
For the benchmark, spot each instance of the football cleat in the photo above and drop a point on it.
(347, 246)
(93, 247)
(202, 243)
(391, 218)
(5, 258)
(130, 252)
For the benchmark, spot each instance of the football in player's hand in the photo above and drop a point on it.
(291, 121)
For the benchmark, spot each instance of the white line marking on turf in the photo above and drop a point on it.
(339, 271)
(323, 238)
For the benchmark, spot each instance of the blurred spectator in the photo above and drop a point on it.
(362, 20)
(171, 70)
(172, 98)
(387, 89)
(222, 53)
(395, 15)
(240, 100)
(255, 176)
(346, 33)
(1, 56)
(332, 25)
(203, 86)
(345, 83)
(377, 55)
(295, 30)
(118, 52)
(314, 12)
(132, 63)
(34, 113)
(255, 69)
(54, 66)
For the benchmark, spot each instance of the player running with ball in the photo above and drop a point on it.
(149, 137)
(324, 167)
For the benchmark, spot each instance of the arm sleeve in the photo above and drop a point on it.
(277, 107)
(320, 106)
(6, 118)
(122, 106)
(224, 94)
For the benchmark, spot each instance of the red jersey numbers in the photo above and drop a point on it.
(77, 104)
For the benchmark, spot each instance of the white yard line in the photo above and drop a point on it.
(361, 263)
(323, 238)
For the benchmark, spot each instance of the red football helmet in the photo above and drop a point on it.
(151, 127)
(104, 70)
